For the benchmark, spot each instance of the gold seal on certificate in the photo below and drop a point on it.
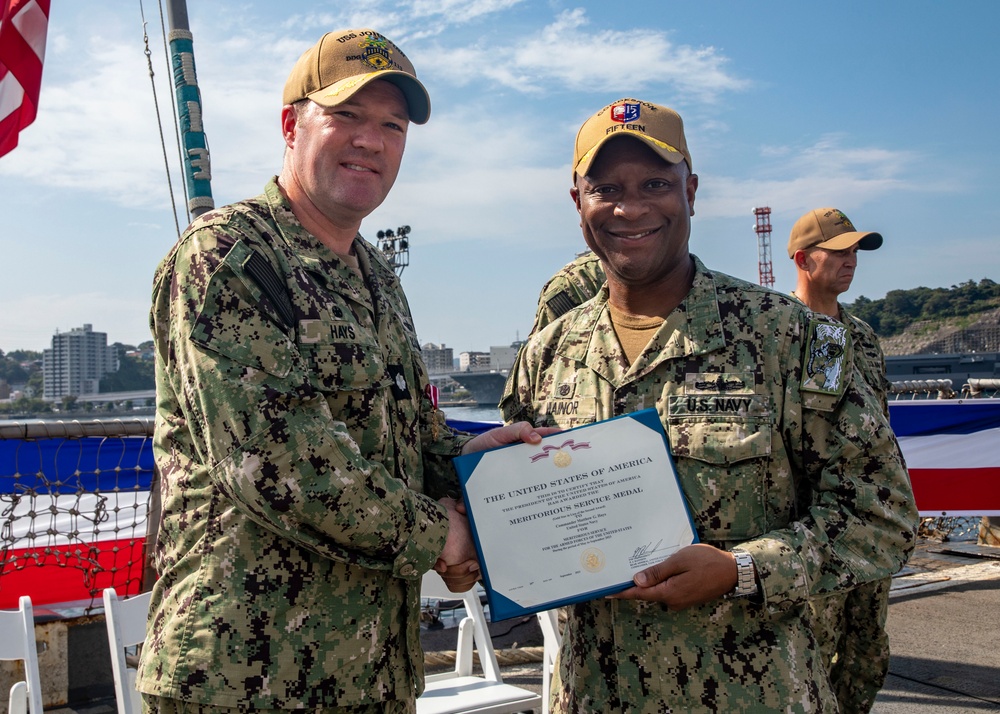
(575, 517)
(593, 560)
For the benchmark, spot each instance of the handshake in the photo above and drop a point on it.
(458, 564)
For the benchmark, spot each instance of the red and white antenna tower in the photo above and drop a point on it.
(763, 231)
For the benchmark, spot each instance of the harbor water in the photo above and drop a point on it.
(473, 413)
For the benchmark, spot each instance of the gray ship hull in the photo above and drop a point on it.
(485, 387)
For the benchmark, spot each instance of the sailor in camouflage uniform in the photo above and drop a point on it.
(794, 480)
(300, 456)
(574, 283)
(824, 245)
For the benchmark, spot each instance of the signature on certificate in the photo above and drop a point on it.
(646, 555)
(646, 550)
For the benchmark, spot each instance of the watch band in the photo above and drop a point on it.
(746, 575)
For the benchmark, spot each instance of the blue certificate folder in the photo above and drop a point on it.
(573, 518)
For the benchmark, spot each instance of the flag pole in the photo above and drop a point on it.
(197, 163)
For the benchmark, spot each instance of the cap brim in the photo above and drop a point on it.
(864, 241)
(665, 151)
(418, 101)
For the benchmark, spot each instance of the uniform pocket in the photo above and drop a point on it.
(347, 367)
(722, 463)
(722, 441)
(233, 323)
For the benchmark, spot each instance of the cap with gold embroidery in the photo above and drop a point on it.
(659, 127)
(344, 61)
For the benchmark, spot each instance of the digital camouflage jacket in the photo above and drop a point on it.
(780, 448)
(868, 356)
(573, 284)
(294, 443)
(850, 625)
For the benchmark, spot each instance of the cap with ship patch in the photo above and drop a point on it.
(344, 61)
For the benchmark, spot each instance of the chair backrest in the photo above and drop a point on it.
(126, 623)
(432, 586)
(548, 621)
(461, 691)
(17, 642)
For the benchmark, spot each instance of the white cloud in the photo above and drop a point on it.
(565, 56)
(98, 123)
(96, 131)
(457, 11)
(479, 178)
(485, 180)
(824, 173)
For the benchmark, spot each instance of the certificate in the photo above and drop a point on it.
(575, 517)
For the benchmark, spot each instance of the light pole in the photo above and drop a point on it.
(396, 247)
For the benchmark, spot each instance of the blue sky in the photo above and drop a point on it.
(888, 111)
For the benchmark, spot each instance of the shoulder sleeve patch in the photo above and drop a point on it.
(560, 303)
(825, 369)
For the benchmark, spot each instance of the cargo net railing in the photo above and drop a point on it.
(74, 509)
(953, 529)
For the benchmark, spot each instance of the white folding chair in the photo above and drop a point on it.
(548, 621)
(126, 622)
(460, 690)
(17, 641)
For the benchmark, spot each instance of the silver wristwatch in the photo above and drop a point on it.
(746, 575)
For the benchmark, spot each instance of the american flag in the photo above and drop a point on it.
(22, 48)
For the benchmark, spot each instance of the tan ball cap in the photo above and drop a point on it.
(344, 61)
(831, 229)
(660, 128)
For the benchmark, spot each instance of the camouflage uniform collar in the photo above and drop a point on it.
(854, 324)
(322, 264)
(704, 317)
(301, 241)
(700, 332)
(845, 317)
(306, 243)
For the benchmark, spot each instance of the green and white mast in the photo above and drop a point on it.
(194, 145)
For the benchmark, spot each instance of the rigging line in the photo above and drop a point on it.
(177, 123)
(159, 119)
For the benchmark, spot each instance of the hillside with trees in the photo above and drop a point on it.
(962, 318)
(22, 368)
(134, 373)
(13, 369)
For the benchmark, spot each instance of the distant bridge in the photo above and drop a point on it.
(137, 397)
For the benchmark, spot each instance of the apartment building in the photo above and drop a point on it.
(76, 362)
